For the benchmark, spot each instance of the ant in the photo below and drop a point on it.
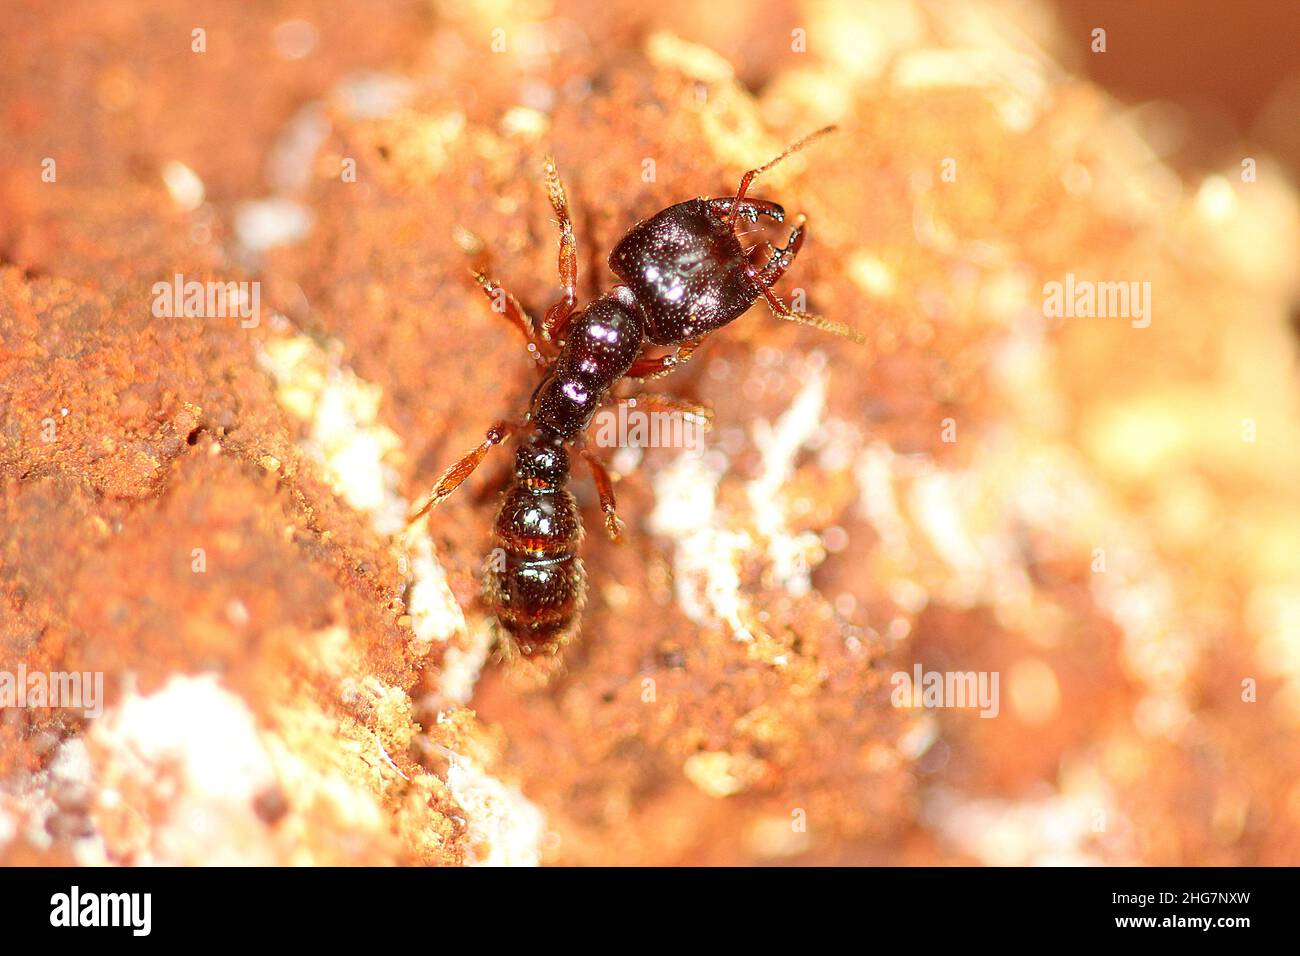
(684, 274)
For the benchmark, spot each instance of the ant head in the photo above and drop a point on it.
(686, 266)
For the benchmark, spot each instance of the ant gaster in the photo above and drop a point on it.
(683, 275)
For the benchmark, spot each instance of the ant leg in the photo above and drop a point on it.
(506, 304)
(556, 320)
(696, 413)
(453, 476)
(605, 489)
(659, 365)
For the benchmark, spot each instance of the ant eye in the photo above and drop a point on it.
(689, 265)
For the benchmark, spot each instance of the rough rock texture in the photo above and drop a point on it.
(209, 511)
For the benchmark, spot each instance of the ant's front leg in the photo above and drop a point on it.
(653, 367)
(605, 489)
(556, 320)
(453, 476)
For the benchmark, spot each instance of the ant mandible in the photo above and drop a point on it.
(683, 275)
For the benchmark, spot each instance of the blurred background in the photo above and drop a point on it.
(1099, 510)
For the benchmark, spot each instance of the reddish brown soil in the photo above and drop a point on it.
(664, 739)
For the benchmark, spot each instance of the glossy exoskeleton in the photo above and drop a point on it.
(683, 274)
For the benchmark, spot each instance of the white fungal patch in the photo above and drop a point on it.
(938, 502)
(1069, 828)
(372, 95)
(1013, 81)
(463, 663)
(196, 726)
(194, 749)
(971, 520)
(1160, 651)
(358, 455)
(505, 828)
(713, 558)
(968, 521)
(791, 555)
(686, 496)
(289, 166)
(435, 616)
(183, 185)
(262, 224)
(877, 498)
(708, 554)
(360, 458)
(28, 810)
(707, 557)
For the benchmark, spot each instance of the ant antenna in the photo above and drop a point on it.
(826, 325)
(785, 313)
(753, 173)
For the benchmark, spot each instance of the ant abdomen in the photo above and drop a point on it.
(535, 579)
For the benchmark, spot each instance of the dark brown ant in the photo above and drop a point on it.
(684, 274)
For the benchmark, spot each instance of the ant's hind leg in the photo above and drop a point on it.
(556, 320)
(503, 303)
(605, 489)
(658, 365)
(453, 476)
